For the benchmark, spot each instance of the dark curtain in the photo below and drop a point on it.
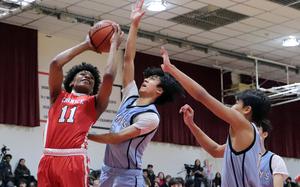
(285, 137)
(284, 140)
(172, 128)
(18, 76)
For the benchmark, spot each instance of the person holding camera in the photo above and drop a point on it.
(6, 170)
(198, 173)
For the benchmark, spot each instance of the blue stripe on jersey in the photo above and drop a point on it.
(266, 173)
(136, 150)
(128, 149)
(240, 169)
(233, 168)
(270, 164)
(128, 154)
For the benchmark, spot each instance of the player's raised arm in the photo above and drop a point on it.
(209, 145)
(110, 72)
(130, 50)
(231, 116)
(56, 72)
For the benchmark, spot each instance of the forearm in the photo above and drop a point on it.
(111, 66)
(64, 57)
(212, 147)
(108, 138)
(130, 49)
(191, 86)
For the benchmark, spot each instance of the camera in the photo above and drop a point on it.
(189, 166)
(4, 149)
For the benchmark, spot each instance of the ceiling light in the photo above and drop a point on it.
(291, 41)
(157, 5)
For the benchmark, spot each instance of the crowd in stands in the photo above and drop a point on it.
(21, 177)
(197, 175)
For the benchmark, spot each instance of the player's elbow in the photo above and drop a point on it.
(200, 95)
(55, 64)
(217, 155)
(217, 152)
(109, 77)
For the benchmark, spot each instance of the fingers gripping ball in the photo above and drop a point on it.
(100, 35)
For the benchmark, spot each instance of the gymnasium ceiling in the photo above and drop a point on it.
(255, 28)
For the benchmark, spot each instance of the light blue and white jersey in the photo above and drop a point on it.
(241, 169)
(128, 154)
(266, 173)
(271, 164)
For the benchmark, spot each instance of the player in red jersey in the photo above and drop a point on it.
(73, 111)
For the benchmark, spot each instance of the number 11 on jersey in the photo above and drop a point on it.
(70, 119)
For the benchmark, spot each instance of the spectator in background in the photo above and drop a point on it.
(23, 173)
(94, 177)
(289, 183)
(6, 171)
(208, 175)
(156, 184)
(151, 174)
(176, 182)
(217, 180)
(198, 174)
(22, 183)
(167, 181)
(33, 184)
(146, 178)
(161, 178)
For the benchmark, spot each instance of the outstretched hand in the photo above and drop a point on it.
(188, 114)
(166, 66)
(117, 36)
(137, 12)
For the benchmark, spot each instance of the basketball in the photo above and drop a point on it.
(100, 35)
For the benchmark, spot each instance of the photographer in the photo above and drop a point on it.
(198, 174)
(5, 169)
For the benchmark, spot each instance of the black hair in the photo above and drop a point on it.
(20, 160)
(8, 155)
(82, 67)
(149, 166)
(259, 102)
(266, 125)
(168, 83)
(176, 180)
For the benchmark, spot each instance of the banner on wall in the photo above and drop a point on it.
(105, 120)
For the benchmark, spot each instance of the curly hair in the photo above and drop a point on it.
(81, 67)
(168, 83)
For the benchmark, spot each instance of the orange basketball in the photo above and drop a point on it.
(100, 35)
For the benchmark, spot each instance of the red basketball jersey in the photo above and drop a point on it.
(69, 119)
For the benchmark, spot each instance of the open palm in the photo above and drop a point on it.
(137, 12)
(166, 61)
